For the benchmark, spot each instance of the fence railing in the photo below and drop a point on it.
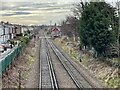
(8, 58)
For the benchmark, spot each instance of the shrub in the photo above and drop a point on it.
(24, 40)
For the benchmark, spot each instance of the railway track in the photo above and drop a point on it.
(47, 74)
(75, 75)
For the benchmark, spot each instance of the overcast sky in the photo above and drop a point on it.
(36, 11)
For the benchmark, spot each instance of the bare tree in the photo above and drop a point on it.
(79, 8)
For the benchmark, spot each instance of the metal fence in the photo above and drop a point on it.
(8, 58)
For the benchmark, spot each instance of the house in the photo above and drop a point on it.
(4, 32)
(1, 33)
(16, 30)
(11, 32)
(27, 29)
(24, 29)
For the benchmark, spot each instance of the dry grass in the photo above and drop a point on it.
(101, 70)
(23, 63)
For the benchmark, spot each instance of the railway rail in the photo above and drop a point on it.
(47, 72)
(78, 78)
(75, 75)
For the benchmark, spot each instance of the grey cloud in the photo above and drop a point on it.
(43, 11)
(22, 8)
(4, 8)
(16, 13)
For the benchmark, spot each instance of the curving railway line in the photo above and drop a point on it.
(48, 77)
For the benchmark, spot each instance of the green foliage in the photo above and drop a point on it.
(13, 42)
(114, 82)
(95, 20)
(27, 33)
(24, 40)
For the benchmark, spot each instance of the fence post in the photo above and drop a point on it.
(19, 71)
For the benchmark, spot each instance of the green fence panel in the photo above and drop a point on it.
(7, 60)
(0, 67)
(3, 65)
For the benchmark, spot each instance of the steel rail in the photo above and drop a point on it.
(69, 67)
(47, 69)
(55, 83)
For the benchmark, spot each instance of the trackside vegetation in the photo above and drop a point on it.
(97, 26)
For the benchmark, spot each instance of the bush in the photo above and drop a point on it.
(114, 82)
(94, 25)
(12, 42)
(24, 40)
